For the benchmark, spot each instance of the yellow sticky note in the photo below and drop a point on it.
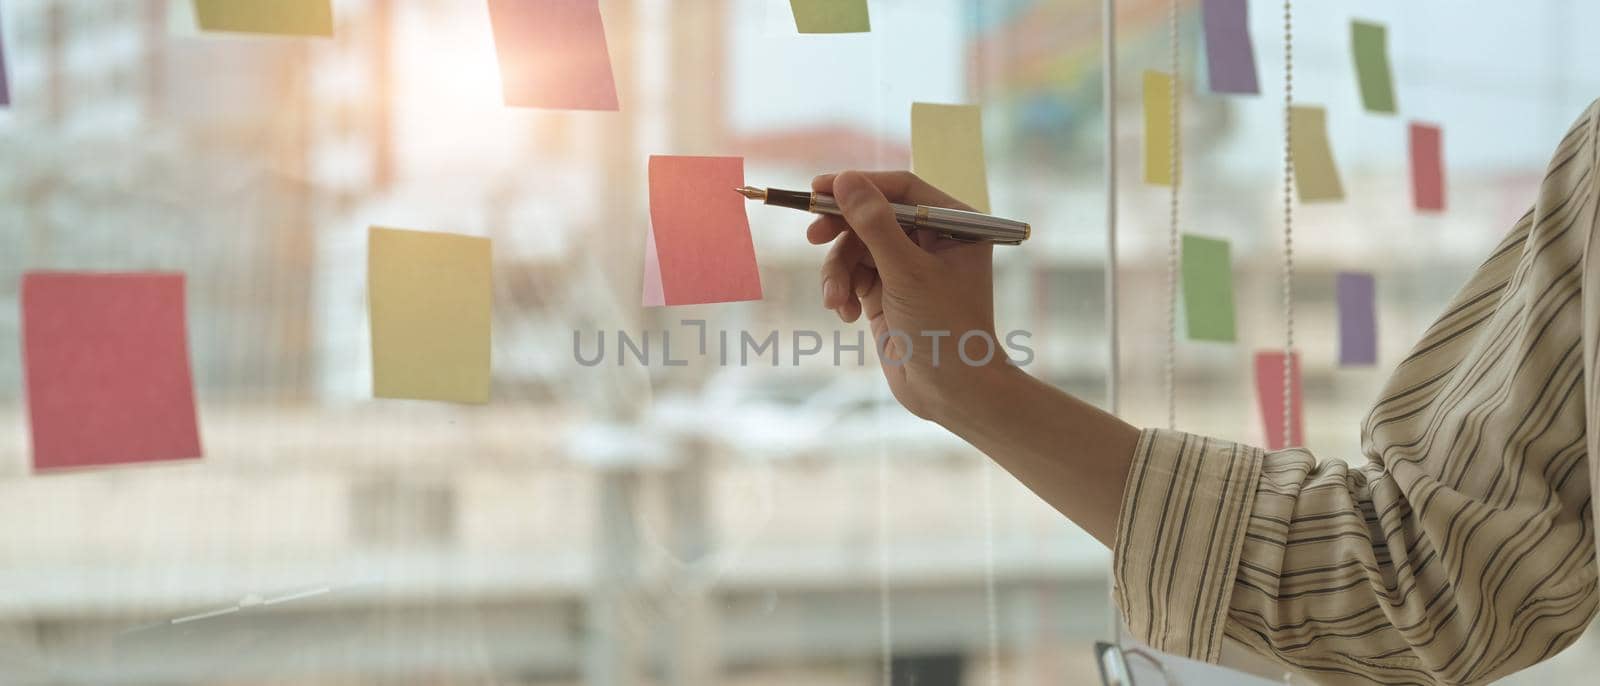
(428, 299)
(947, 151)
(284, 17)
(1158, 148)
(1316, 179)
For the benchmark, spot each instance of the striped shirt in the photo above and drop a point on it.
(1463, 549)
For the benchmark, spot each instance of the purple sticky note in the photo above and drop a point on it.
(1230, 58)
(1358, 319)
(5, 86)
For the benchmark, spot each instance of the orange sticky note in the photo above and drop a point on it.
(553, 54)
(1427, 167)
(700, 232)
(1269, 390)
(107, 360)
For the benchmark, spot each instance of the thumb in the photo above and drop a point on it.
(868, 213)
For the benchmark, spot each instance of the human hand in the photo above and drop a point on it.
(922, 294)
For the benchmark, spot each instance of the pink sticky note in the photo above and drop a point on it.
(107, 360)
(652, 272)
(1427, 167)
(1269, 391)
(700, 232)
(553, 54)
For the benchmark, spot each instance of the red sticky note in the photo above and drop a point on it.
(107, 360)
(1269, 391)
(701, 235)
(1427, 167)
(553, 54)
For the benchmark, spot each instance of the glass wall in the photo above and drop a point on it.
(615, 524)
(1504, 81)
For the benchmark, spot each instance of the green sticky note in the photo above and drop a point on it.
(428, 299)
(947, 151)
(1208, 289)
(831, 16)
(1370, 43)
(282, 17)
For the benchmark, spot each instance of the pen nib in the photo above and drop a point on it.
(751, 193)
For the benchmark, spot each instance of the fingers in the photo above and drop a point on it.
(872, 304)
(851, 311)
(861, 281)
(825, 228)
(872, 220)
(838, 271)
(899, 186)
(890, 353)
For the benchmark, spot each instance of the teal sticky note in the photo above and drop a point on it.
(1370, 43)
(1208, 289)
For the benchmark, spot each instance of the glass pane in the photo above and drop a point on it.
(776, 521)
(1501, 82)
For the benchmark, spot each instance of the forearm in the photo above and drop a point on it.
(1072, 454)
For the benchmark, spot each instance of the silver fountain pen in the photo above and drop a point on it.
(960, 225)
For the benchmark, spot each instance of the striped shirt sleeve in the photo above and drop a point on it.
(1334, 572)
(1462, 549)
(1179, 536)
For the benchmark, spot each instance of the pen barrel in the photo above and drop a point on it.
(955, 224)
(970, 226)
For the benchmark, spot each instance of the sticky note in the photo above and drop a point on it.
(653, 295)
(1158, 148)
(1427, 167)
(700, 232)
(947, 151)
(282, 17)
(107, 367)
(1208, 289)
(831, 16)
(553, 54)
(1358, 318)
(1269, 391)
(1230, 54)
(1370, 43)
(1315, 177)
(428, 300)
